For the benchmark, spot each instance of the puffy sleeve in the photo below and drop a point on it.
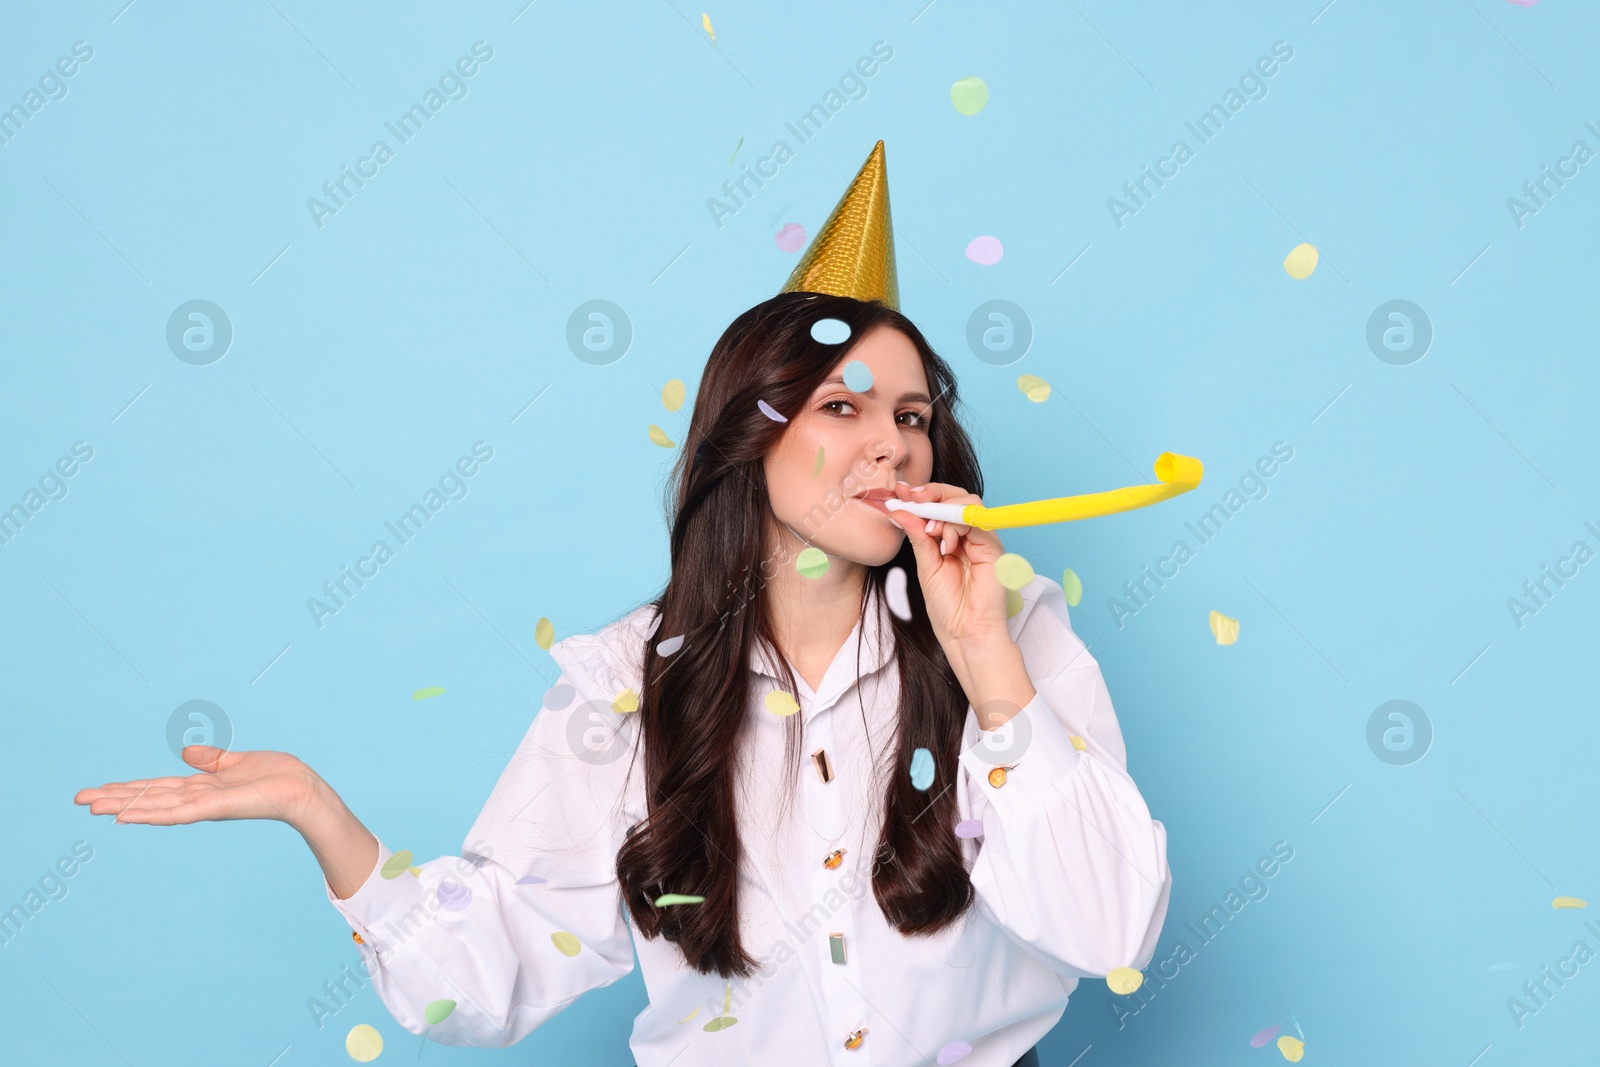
(530, 916)
(1071, 865)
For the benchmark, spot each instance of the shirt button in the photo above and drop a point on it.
(997, 777)
(855, 1038)
(357, 938)
(835, 858)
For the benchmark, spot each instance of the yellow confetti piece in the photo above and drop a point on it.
(415, 872)
(544, 633)
(395, 865)
(677, 898)
(812, 562)
(1292, 1048)
(721, 1022)
(1300, 262)
(673, 392)
(626, 701)
(1124, 980)
(363, 1042)
(431, 691)
(816, 468)
(1014, 571)
(705, 20)
(1225, 629)
(1072, 587)
(658, 436)
(1034, 387)
(691, 1015)
(1013, 603)
(1078, 743)
(727, 998)
(781, 703)
(1568, 902)
(565, 943)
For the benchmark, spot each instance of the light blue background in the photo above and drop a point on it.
(371, 353)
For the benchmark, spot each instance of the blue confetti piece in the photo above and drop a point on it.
(857, 376)
(922, 769)
(830, 331)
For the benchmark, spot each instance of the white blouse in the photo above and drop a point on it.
(1070, 873)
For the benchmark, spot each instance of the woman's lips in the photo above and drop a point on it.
(876, 505)
(874, 499)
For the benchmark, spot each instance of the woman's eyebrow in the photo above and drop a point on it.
(873, 392)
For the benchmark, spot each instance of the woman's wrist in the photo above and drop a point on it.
(345, 849)
(994, 678)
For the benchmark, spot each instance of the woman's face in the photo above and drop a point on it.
(868, 440)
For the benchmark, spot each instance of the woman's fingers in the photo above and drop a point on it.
(122, 788)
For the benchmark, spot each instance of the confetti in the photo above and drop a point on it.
(816, 468)
(672, 394)
(1034, 387)
(780, 702)
(791, 238)
(363, 1043)
(894, 589)
(626, 701)
(655, 624)
(559, 696)
(658, 436)
(985, 251)
(721, 1022)
(453, 897)
(531, 879)
(1014, 571)
(705, 20)
(770, 412)
(544, 633)
(969, 828)
(857, 376)
(830, 331)
(438, 1011)
(969, 95)
(1568, 902)
(691, 1015)
(415, 872)
(954, 1052)
(669, 646)
(1300, 262)
(431, 691)
(1261, 1037)
(1124, 980)
(565, 943)
(1078, 743)
(677, 898)
(812, 562)
(1013, 603)
(737, 146)
(921, 769)
(1292, 1048)
(1072, 587)
(396, 864)
(1522, 3)
(1225, 629)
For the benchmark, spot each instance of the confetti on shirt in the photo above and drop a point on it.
(531, 879)
(454, 897)
(954, 1052)
(1225, 630)
(438, 1011)
(431, 691)
(969, 828)
(565, 943)
(396, 864)
(780, 702)
(626, 701)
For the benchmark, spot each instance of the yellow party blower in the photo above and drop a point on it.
(1178, 474)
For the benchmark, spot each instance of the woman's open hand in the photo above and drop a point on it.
(230, 785)
(955, 564)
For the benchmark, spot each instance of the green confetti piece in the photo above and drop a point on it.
(544, 633)
(396, 865)
(1072, 586)
(438, 1011)
(677, 898)
(816, 468)
(736, 149)
(1013, 570)
(567, 944)
(721, 1022)
(812, 562)
(431, 691)
(969, 95)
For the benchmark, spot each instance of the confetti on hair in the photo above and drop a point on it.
(1300, 262)
(655, 624)
(431, 691)
(1013, 570)
(969, 828)
(626, 701)
(985, 251)
(921, 769)
(544, 633)
(565, 943)
(857, 376)
(666, 899)
(705, 20)
(1034, 387)
(830, 331)
(453, 897)
(781, 702)
(1568, 902)
(791, 238)
(396, 864)
(672, 394)
(531, 879)
(816, 468)
(969, 95)
(1124, 980)
(894, 589)
(1261, 1037)
(771, 412)
(658, 436)
(1072, 587)
(363, 1043)
(1225, 630)
(1292, 1048)
(954, 1052)
(811, 562)
(669, 646)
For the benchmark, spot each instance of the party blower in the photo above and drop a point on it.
(1178, 474)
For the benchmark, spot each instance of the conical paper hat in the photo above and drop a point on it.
(853, 253)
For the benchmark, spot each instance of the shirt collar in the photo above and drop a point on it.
(877, 645)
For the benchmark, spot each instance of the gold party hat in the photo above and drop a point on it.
(853, 253)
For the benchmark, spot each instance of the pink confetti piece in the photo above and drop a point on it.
(1522, 3)
(954, 1052)
(791, 238)
(969, 828)
(770, 412)
(985, 251)
(1264, 1036)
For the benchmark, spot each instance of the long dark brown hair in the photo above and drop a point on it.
(694, 705)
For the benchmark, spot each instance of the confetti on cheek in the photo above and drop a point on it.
(669, 646)
(1300, 262)
(812, 562)
(1072, 587)
(677, 898)
(658, 436)
(921, 769)
(1034, 387)
(1261, 1037)
(830, 331)
(1124, 980)
(672, 394)
(531, 879)
(626, 701)
(985, 251)
(544, 633)
(1224, 629)
(397, 864)
(1014, 571)
(894, 589)
(453, 897)
(969, 95)
(424, 694)
(565, 943)
(791, 238)
(954, 1052)
(363, 1043)
(770, 412)
(816, 468)
(1292, 1048)
(780, 702)
(1568, 902)
(559, 696)
(857, 376)
(969, 828)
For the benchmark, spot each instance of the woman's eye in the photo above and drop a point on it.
(831, 403)
(921, 420)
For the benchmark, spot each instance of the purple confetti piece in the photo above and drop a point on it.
(954, 1052)
(530, 879)
(969, 828)
(454, 897)
(1264, 1036)
(770, 412)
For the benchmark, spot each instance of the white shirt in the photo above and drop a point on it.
(1070, 872)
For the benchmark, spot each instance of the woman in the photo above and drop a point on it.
(703, 746)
